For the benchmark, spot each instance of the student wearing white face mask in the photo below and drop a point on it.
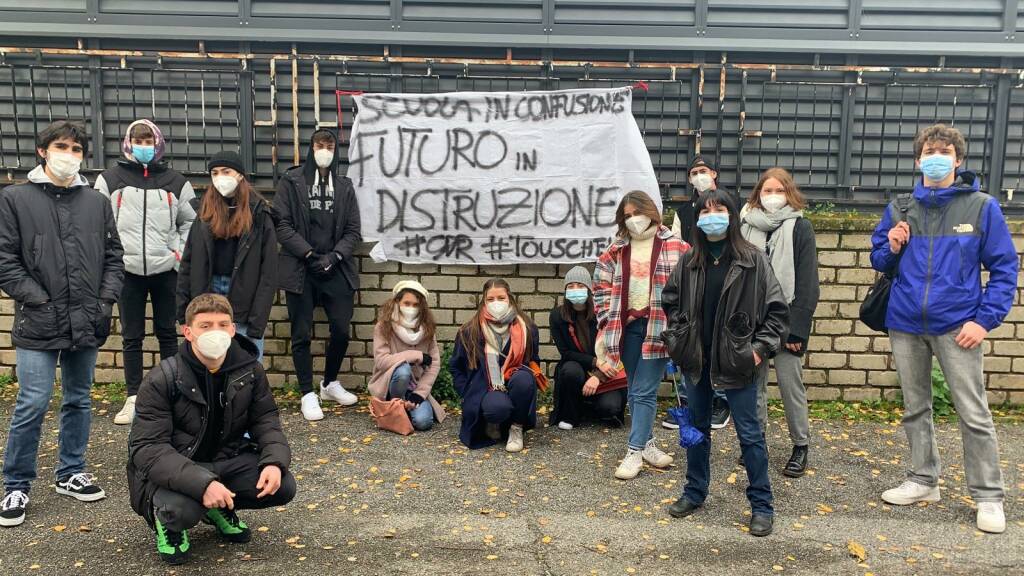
(496, 370)
(628, 282)
(231, 249)
(406, 359)
(207, 440)
(772, 220)
(318, 227)
(60, 261)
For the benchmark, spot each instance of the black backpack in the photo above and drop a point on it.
(876, 303)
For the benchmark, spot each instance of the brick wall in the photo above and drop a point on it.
(845, 359)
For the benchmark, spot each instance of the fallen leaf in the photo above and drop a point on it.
(857, 550)
(59, 528)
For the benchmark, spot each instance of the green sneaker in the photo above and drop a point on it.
(172, 546)
(230, 527)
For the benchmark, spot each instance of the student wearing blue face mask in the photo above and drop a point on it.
(151, 204)
(938, 307)
(727, 315)
(586, 385)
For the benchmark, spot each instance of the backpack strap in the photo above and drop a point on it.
(172, 373)
(902, 203)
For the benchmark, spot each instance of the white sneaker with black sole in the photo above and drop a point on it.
(81, 487)
(12, 511)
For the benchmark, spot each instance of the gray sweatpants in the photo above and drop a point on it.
(966, 378)
(789, 373)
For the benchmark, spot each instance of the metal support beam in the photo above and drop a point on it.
(1000, 128)
(99, 154)
(246, 111)
(846, 126)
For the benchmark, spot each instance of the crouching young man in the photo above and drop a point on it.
(207, 439)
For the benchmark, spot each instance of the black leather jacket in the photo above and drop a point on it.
(752, 317)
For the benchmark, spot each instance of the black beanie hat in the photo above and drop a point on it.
(226, 159)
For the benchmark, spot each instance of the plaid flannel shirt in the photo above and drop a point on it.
(610, 288)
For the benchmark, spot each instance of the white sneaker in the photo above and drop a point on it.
(911, 493)
(654, 456)
(563, 425)
(336, 392)
(311, 407)
(127, 413)
(630, 465)
(991, 518)
(515, 439)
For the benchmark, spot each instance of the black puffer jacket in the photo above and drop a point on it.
(172, 415)
(291, 204)
(254, 279)
(60, 260)
(752, 316)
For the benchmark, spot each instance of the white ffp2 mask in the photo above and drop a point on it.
(213, 344)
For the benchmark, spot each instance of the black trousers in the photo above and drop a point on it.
(336, 297)
(132, 307)
(178, 512)
(573, 407)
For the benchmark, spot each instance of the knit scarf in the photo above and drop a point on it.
(498, 331)
(409, 332)
(755, 227)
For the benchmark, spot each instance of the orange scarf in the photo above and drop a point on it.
(516, 351)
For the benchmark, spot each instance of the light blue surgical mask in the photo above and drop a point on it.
(143, 154)
(714, 225)
(936, 167)
(577, 295)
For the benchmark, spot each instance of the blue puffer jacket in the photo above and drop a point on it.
(953, 232)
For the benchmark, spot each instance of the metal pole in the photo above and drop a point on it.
(1000, 126)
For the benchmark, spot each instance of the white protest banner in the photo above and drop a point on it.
(495, 177)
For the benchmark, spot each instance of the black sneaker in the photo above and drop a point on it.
(81, 487)
(12, 511)
(719, 415)
(172, 546)
(670, 423)
(228, 525)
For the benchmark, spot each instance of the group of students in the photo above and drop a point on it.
(739, 293)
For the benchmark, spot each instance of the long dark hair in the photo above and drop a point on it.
(733, 239)
(470, 334)
(580, 319)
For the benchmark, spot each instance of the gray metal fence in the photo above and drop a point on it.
(846, 132)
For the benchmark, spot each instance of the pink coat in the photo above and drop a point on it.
(387, 355)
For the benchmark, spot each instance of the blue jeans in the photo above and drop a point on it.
(37, 371)
(422, 416)
(743, 403)
(222, 285)
(643, 376)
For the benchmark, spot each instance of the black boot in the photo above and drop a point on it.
(761, 525)
(682, 508)
(797, 465)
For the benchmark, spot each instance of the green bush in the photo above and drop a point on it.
(444, 390)
(942, 399)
